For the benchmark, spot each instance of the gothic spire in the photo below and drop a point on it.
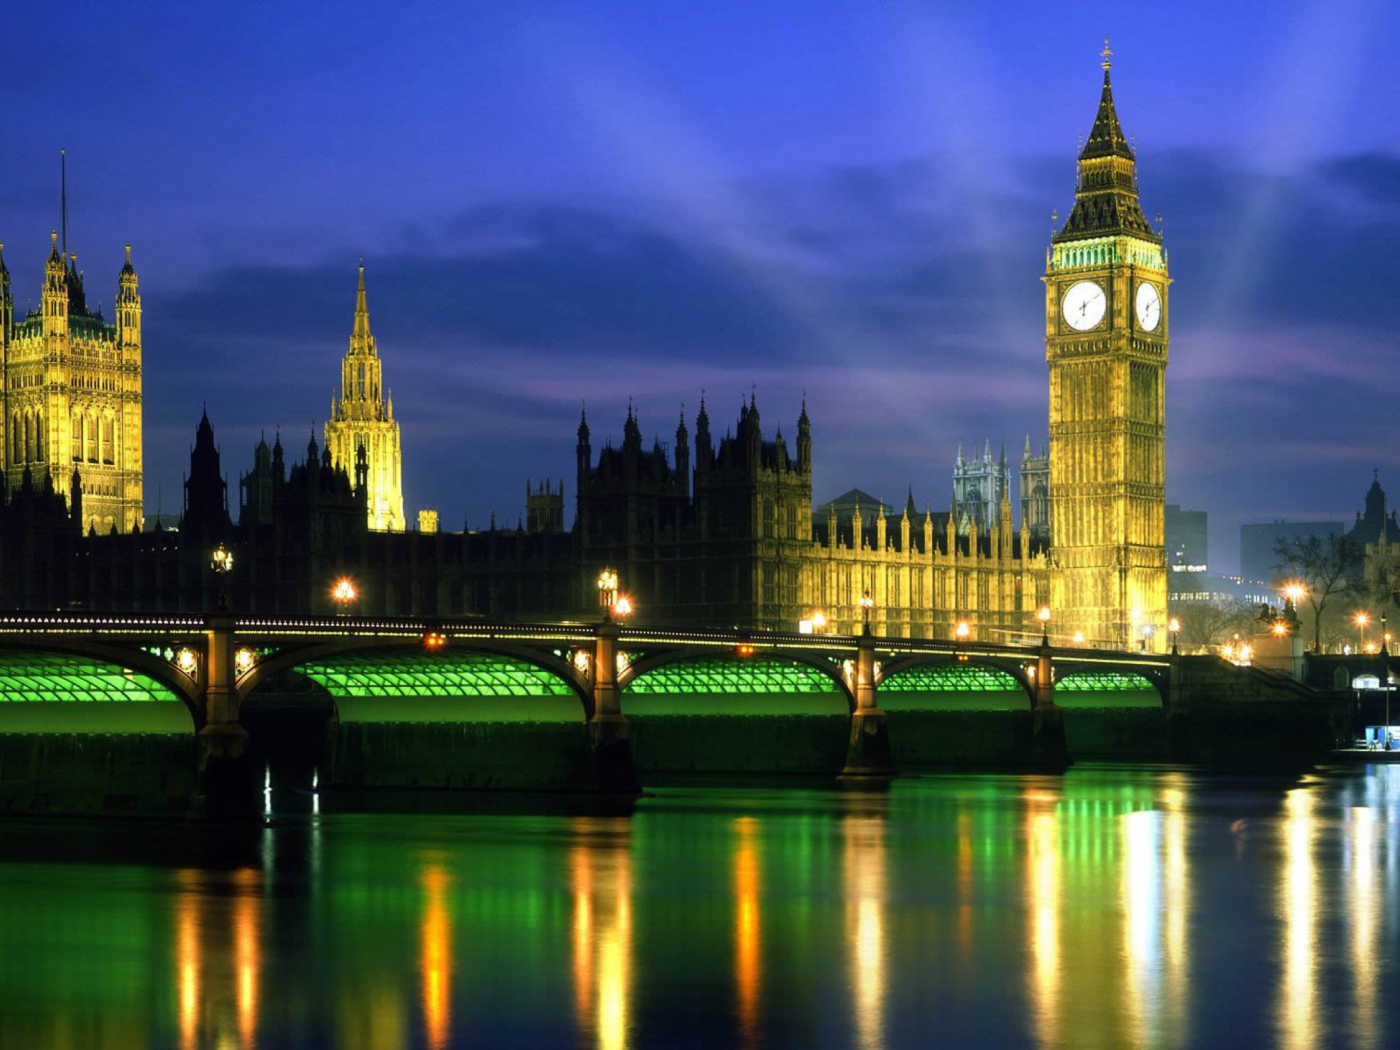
(1106, 138)
(1106, 198)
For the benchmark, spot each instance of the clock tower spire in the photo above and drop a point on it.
(1106, 345)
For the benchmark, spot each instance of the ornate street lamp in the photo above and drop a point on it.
(622, 607)
(866, 604)
(1174, 628)
(344, 594)
(1044, 617)
(1362, 619)
(607, 591)
(222, 564)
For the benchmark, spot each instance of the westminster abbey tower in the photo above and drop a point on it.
(1106, 344)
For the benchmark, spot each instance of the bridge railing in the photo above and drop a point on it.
(565, 633)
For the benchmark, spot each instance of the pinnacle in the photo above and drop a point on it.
(360, 336)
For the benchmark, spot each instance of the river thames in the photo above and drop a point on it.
(1111, 907)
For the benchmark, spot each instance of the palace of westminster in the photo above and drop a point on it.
(710, 532)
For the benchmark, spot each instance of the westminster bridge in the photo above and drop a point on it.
(418, 702)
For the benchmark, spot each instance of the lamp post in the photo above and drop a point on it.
(344, 594)
(1173, 629)
(1044, 617)
(607, 592)
(1385, 676)
(866, 604)
(222, 564)
(1362, 619)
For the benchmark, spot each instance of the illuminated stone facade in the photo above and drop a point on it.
(363, 419)
(745, 550)
(1106, 336)
(72, 394)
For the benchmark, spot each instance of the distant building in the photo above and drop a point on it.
(1257, 558)
(978, 488)
(1186, 539)
(1188, 587)
(1035, 493)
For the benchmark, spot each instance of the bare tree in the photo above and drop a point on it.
(1208, 624)
(1327, 567)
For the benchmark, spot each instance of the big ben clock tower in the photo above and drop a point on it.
(1106, 344)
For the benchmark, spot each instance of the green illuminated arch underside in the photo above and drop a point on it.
(59, 677)
(951, 678)
(1102, 682)
(727, 676)
(432, 676)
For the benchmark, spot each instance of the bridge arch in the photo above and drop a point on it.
(396, 679)
(714, 711)
(947, 683)
(771, 674)
(61, 685)
(1098, 686)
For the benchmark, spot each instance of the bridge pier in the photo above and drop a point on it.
(868, 748)
(609, 733)
(1048, 746)
(225, 782)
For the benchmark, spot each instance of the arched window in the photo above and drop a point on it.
(109, 440)
(360, 385)
(75, 436)
(38, 437)
(90, 437)
(16, 443)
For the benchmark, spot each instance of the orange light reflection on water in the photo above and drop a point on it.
(601, 884)
(436, 966)
(747, 963)
(863, 861)
(1043, 891)
(247, 949)
(188, 958)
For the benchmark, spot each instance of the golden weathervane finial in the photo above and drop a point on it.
(1107, 53)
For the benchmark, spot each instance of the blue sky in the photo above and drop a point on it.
(571, 202)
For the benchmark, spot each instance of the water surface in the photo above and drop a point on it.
(1111, 907)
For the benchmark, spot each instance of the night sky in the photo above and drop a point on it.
(586, 202)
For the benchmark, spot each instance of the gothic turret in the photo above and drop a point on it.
(205, 516)
(804, 440)
(704, 445)
(55, 296)
(683, 455)
(128, 311)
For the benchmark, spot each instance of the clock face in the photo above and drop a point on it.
(1084, 305)
(1149, 308)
